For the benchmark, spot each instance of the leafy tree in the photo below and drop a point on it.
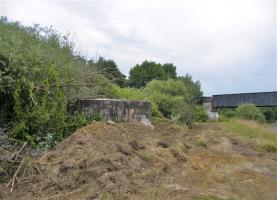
(173, 101)
(110, 70)
(193, 88)
(169, 87)
(140, 75)
(169, 70)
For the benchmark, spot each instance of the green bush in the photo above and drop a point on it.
(41, 113)
(40, 74)
(169, 99)
(222, 118)
(251, 112)
(200, 114)
(169, 96)
(227, 112)
(170, 87)
(270, 113)
(128, 93)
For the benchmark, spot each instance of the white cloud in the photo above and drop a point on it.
(201, 37)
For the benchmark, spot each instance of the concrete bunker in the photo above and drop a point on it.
(117, 110)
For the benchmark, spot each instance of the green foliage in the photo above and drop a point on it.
(129, 93)
(40, 74)
(250, 111)
(202, 141)
(200, 114)
(6, 81)
(223, 118)
(252, 131)
(270, 113)
(169, 71)
(169, 96)
(169, 99)
(142, 74)
(96, 117)
(110, 70)
(107, 196)
(170, 87)
(193, 88)
(136, 94)
(269, 148)
(227, 112)
(41, 113)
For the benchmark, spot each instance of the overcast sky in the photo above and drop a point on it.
(229, 45)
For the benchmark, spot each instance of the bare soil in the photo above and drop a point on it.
(133, 161)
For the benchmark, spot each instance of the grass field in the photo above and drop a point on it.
(260, 134)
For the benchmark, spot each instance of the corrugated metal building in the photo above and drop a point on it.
(262, 99)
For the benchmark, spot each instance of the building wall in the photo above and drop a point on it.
(234, 100)
(115, 109)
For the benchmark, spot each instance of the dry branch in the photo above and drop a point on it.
(14, 155)
(12, 181)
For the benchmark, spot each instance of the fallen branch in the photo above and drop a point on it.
(1, 149)
(12, 181)
(14, 155)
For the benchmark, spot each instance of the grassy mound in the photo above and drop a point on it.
(259, 134)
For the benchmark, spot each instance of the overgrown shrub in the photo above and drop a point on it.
(129, 93)
(227, 112)
(41, 112)
(40, 73)
(251, 112)
(270, 113)
(136, 94)
(169, 96)
(200, 114)
(169, 99)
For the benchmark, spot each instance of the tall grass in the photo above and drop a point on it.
(260, 134)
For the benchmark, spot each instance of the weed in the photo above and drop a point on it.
(202, 142)
(106, 196)
(146, 156)
(269, 148)
(213, 197)
(179, 146)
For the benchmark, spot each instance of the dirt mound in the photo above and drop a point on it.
(98, 160)
(132, 161)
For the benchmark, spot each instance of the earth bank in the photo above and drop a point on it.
(133, 161)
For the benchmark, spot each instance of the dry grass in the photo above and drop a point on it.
(132, 161)
(260, 134)
(202, 141)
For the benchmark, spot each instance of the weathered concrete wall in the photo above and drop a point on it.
(207, 104)
(115, 109)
